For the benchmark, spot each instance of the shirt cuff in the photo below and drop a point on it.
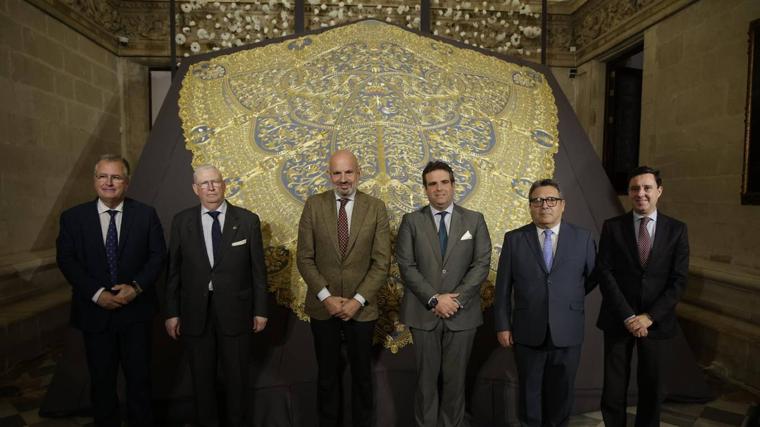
(361, 299)
(323, 294)
(629, 318)
(97, 295)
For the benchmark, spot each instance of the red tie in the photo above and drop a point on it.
(343, 227)
(643, 240)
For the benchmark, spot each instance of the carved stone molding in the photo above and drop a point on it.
(560, 33)
(600, 25)
(95, 19)
(145, 24)
(593, 27)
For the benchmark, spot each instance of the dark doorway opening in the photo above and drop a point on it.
(623, 116)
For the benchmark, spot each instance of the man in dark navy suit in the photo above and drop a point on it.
(111, 251)
(547, 266)
(642, 267)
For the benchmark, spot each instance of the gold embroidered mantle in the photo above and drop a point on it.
(269, 118)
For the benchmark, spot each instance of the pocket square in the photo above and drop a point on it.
(239, 242)
(466, 236)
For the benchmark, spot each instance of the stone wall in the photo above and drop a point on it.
(693, 112)
(693, 102)
(62, 107)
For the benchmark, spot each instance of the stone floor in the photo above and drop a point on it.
(23, 388)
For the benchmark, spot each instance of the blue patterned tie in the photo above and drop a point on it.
(112, 247)
(548, 255)
(216, 234)
(443, 236)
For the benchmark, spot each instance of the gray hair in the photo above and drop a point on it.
(203, 168)
(112, 158)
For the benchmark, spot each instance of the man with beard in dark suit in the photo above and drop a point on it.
(216, 294)
(344, 251)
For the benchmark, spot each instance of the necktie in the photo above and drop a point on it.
(443, 236)
(112, 247)
(644, 243)
(216, 234)
(548, 253)
(343, 227)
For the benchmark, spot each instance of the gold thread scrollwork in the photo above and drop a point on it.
(269, 118)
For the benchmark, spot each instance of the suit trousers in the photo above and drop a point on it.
(128, 346)
(618, 350)
(205, 352)
(328, 336)
(443, 352)
(547, 382)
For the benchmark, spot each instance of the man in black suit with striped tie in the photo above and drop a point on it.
(642, 268)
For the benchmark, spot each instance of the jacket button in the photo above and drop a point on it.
(443, 271)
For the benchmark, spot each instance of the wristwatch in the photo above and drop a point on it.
(433, 302)
(136, 287)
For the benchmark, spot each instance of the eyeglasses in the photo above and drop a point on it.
(537, 202)
(210, 184)
(102, 177)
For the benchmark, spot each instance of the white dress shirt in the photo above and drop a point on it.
(105, 220)
(207, 222)
(324, 293)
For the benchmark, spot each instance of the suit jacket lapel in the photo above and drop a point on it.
(531, 235)
(231, 224)
(93, 229)
(562, 244)
(127, 219)
(629, 235)
(456, 229)
(358, 213)
(431, 232)
(195, 229)
(660, 234)
(330, 213)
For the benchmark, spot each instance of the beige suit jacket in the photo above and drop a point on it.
(364, 270)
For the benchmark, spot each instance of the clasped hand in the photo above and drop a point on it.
(447, 306)
(123, 296)
(342, 308)
(639, 325)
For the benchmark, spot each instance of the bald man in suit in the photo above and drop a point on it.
(343, 256)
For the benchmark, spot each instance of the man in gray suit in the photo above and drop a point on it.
(547, 266)
(443, 251)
